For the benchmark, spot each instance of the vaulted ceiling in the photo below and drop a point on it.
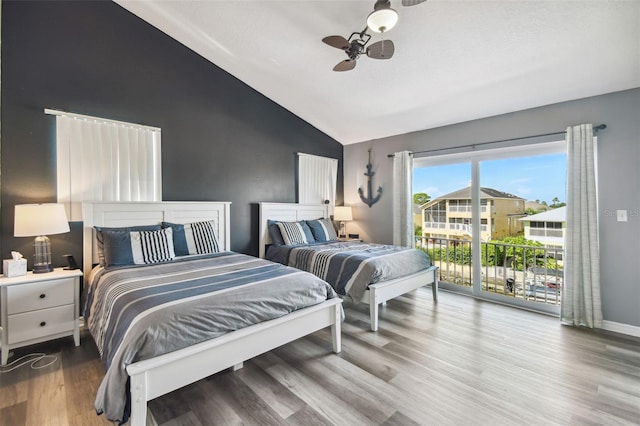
(454, 60)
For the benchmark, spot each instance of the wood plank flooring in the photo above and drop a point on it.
(458, 362)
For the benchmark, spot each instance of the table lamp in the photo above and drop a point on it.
(40, 220)
(342, 214)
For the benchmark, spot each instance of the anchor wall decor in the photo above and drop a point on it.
(369, 199)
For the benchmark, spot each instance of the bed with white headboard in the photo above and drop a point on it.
(287, 212)
(156, 376)
(376, 294)
(116, 215)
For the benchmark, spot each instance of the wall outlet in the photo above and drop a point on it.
(621, 215)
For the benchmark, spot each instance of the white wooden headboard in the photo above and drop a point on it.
(114, 214)
(289, 212)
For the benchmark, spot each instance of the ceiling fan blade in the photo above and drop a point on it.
(412, 2)
(337, 41)
(346, 65)
(382, 49)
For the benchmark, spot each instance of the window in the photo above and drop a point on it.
(548, 229)
(436, 212)
(317, 178)
(105, 160)
(460, 205)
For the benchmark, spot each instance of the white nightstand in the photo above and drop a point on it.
(39, 307)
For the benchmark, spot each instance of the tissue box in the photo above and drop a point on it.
(14, 268)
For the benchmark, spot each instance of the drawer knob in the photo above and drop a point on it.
(43, 323)
(42, 296)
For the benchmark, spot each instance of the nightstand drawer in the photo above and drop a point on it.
(40, 295)
(46, 322)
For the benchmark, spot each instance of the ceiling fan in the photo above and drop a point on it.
(356, 45)
(382, 19)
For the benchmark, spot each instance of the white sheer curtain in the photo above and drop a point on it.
(403, 199)
(581, 303)
(103, 160)
(317, 180)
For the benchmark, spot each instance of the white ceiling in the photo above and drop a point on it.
(454, 60)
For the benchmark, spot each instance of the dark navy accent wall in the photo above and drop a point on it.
(221, 140)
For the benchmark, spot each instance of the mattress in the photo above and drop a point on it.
(350, 266)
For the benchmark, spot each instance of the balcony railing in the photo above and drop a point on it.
(435, 225)
(463, 227)
(526, 272)
(466, 209)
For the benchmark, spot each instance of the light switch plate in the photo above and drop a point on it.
(621, 215)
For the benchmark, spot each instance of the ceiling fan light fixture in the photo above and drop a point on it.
(383, 18)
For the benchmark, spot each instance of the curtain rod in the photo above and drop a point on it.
(595, 129)
(101, 120)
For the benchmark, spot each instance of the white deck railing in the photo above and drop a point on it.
(522, 271)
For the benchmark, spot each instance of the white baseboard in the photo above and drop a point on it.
(618, 327)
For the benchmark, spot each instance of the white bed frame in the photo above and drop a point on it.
(378, 293)
(157, 376)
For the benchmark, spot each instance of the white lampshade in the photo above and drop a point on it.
(32, 220)
(40, 220)
(382, 19)
(342, 213)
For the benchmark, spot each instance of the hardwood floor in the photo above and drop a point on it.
(461, 362)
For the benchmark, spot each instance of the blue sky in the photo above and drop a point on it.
(541, 177)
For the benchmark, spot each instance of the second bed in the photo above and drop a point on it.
(359, 272)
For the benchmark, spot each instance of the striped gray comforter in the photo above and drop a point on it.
(351, 266)
(135, 313)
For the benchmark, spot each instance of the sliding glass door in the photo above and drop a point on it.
(444, 229)
(494, 222)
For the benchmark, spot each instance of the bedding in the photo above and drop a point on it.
(123, 247)
(350, 267)
(295, 232)
(114, 233)
(194, 238)
(322, 230)
(141, 311)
